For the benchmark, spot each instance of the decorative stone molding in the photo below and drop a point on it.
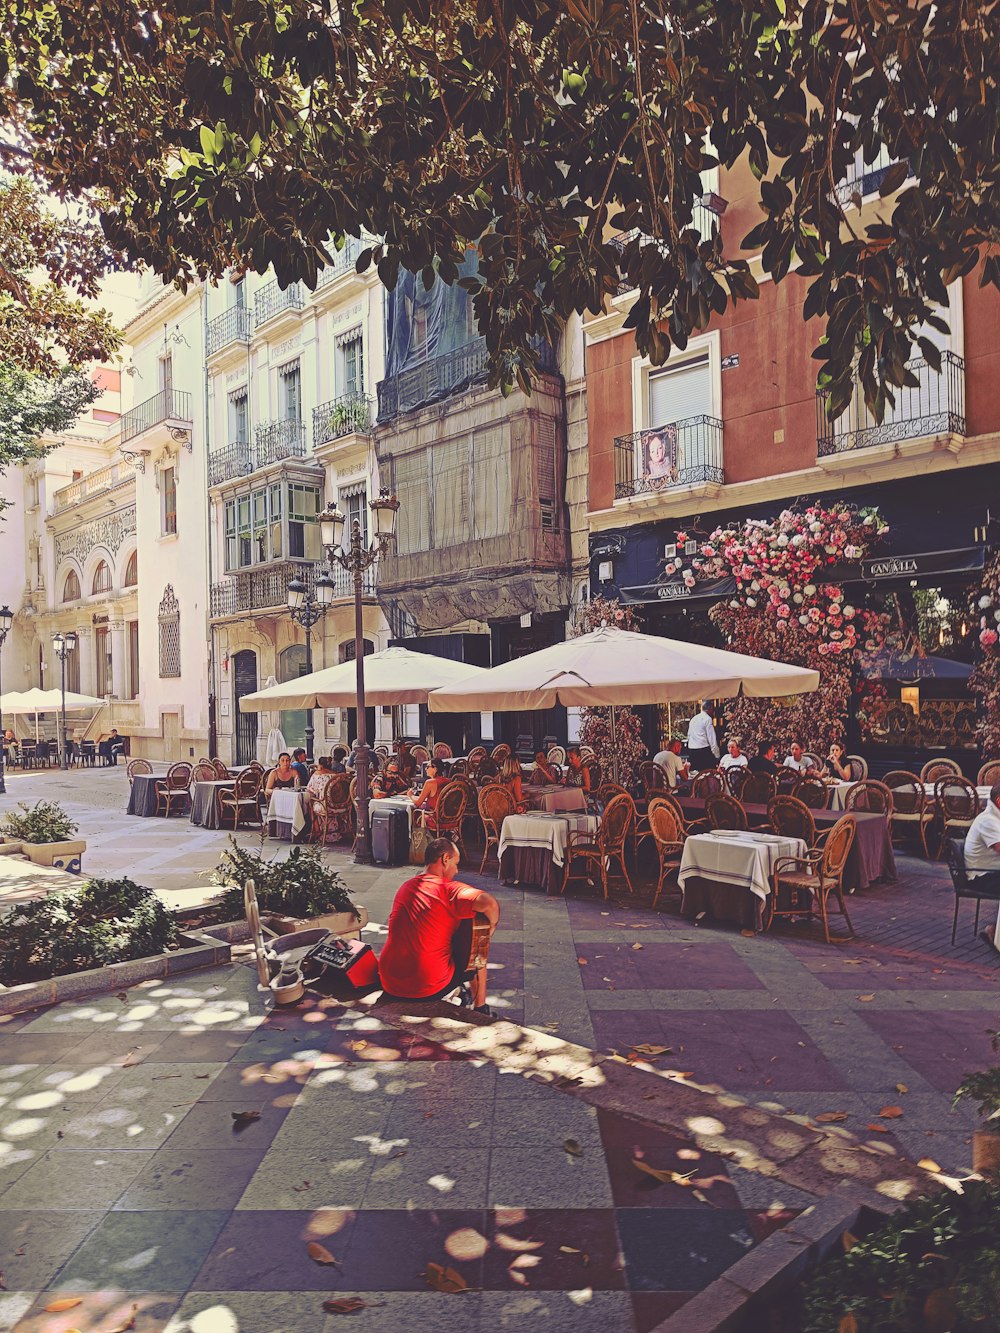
(109, 532)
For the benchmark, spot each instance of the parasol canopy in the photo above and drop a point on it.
(393, 676)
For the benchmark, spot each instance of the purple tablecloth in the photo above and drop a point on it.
(531, 865)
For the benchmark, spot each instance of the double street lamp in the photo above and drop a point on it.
(6, 620)
(348, 549)
(307, 608)
(64, 644)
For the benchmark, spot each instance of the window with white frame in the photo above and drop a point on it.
(239, 416)
(353, 503)
(168, 501)
(290, 391)
(677, 433)
(350, 364)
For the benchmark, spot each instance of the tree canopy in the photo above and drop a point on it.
(254, 131)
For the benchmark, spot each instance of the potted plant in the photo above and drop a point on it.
(984, 1089)
(347, 417)
(302, 887)
(44, 834)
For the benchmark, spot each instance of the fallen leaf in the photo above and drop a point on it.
(830, 1117)
(400, 1152)
(864, 999)
(644, 1048)
(64, 1303)
(878, 1129)
(567, 1249)
(506, 1242)
(345, 1305)
(200, 1075)
(243, 1118)
(847, 1324)
(122, 995)
(306, 1185)
(637, 946)
(319, 1254)
(445, 1279)
(928, 1164)
(848, 1241)
(572, 1147)
(582, 962)
(901, 1087)
(19, 1251)
(359, 1045)
(128, 1324)
(664, 1177)
(891, 1112)
(748, 934)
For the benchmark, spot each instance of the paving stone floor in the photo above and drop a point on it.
(123, 1182)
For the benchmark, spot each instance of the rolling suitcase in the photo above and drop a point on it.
(390, 837)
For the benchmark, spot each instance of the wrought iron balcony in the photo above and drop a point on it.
(706, 213)
(350, 414)
(279, 439)
(273, 300)
(266, 588)
(691, 455)
(232, 326)
(935, 405)
(443, 375)
(237, 460)
(165, 406)
(344, 261)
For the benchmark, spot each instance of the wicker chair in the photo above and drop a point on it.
(787, 780)
(607, 791)
(725, 812)
(989, 774)
(174, 789)
(593, 767)
(817, 874)
(240, 804)
(758, 788)
(471, 815)
(817, 761)
(442, 750)
(812, 792)
(495, 803)
(598, 850)
(668, 838)
(736, 776)
(382, 751)
(446, 817)
(263, 800)
(420, 753)
(857, 765)
(203, 771)
(873, 798)
(222, 773)
(939, 768)
(956, 805)
(911, 811)
(335, 813)
(500, 752)
(556, 754)
(138, 766)
(791, 818)
(652, 777)
(688, 826)
(710, 782)
(587, 752)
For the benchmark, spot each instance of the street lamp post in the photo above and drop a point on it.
(64, 644)
(356, 559)
(306, 609)
(6, 620)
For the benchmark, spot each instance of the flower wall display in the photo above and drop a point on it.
(784, 609)
(985, 680)
(595, 723)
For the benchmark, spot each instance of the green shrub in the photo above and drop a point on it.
(46, 821)
(984, 1089)
(302, 885)
(934, 1266)
(102, 921)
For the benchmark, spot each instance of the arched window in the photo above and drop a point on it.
(102, 578)
(132, 570)
(71, 588)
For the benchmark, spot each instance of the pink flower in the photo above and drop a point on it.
(988, 638)
(619, 615)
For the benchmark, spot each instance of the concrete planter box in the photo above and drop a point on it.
(344, 924)
(66, 856)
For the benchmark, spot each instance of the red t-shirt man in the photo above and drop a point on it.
(418, 960)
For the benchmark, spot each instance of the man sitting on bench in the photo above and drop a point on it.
(428, 949)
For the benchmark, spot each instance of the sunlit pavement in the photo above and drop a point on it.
(123, 1181)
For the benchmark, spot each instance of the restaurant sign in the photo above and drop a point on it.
(892, 567)
(926, 562)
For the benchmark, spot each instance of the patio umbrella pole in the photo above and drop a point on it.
(614, 745)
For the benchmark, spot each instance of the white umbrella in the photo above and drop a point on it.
(276, 745)
(393, 676)
(45, 701)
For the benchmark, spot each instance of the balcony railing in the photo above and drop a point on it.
(232, 326)
(95, 483)
(691, 456)
(272, 300)
(706, 213)
(344, 261)
(236, 460)
(167, 405)
(350, 414)
(934, 406)
(279, 439)
(266, 588)
(444, 375)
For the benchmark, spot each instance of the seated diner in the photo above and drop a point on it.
(672, 764)
(543, 772)
(391, 782)
(434, 784)
(283, 775)
(577, 774)
(734, 756)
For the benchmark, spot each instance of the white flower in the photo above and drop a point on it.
(986, 601)
(803, 620)
(815, 527)
(755, 586)
(797, 598)
(751, 601)
(810, 590)
(783, 539)
(735, 604)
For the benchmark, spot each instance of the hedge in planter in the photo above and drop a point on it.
(103, 921)
(301, 885)
(46, 821)
(933, 1268)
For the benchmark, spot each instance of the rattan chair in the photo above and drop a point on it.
(138, 766)
(940, 768)
(668, 838)
(587, 752)
(556, 754)
(446, 817)
(652, 777)
(240, 803)
(495, 803)
(336, 812)
(382, 751)
(710, 782)
(725, 812)
(817, 761)
(812, 792)
(813, 877)
(792, 818)
(500, 752)
(736, 776)
(911, 810)
(788, 779)
(989, 774)
(203, 771)
(607, 791)
(956, 805)
(598, 850)
(174, 790)
(593, 767)
(758, 788)
(872, 798)
(222, 773)
(420, 753)
(858, 766)
(442, 750)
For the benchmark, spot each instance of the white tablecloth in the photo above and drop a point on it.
(287, 807)
(731, 857)
(982, 792)
(838, 795)
(543, 830)
(393, 803)
(553, 797)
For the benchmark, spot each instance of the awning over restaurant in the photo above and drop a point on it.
(676, 593)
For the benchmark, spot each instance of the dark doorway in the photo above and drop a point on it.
(245, 682)
(347, 654)
(511, 640)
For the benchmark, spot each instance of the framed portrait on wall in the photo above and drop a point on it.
(659, 456)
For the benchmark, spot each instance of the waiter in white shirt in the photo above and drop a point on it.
(982, 851)
(703, 747)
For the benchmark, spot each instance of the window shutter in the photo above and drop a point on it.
(676, 395)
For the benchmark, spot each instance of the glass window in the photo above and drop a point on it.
(132, 571)
(102, 659)
(303, 530)
(239, 417)
(291, 392)
(352, 366)
(168, 500)
(238, 291)
(71, 588)
(102, 578)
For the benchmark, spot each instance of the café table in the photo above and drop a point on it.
(142, 794)
(552, 797)
(727, 874)
(205, 802)
(393, 803)
(982, 792)
(533, 846)
(870, 859)
(287, 815)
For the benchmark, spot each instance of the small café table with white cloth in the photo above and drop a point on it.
(287, 816)
(838, 794)
(727, 874)
(393, 803)
(533, 846)
(552, 797)
(205, 802)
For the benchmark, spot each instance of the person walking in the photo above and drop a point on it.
(703, 745)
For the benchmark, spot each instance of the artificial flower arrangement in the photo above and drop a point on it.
(985, 680)
(595, 723)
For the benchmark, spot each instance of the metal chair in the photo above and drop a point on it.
(135, 766)
(494, 803)
(88, 754)
(174, 789)
(725, 812)
(966, 887)
(241, 802)
(817, 874)
(940, 768)
(598, 850)
(812, 792)
(668, 838)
